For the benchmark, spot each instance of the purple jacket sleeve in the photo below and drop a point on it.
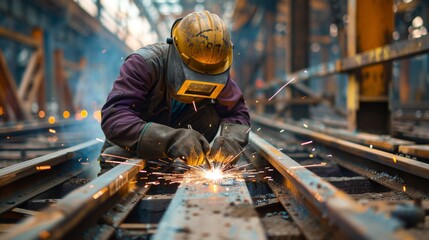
(121, 121)
(231, 106)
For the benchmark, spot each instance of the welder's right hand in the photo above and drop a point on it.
(160, 141)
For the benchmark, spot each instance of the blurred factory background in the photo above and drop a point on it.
(61, 57)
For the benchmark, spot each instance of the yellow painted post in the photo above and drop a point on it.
(371, 26)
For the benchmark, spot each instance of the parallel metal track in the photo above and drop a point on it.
(24, 180)
(413, 167)
(212, 206)
(354, 220)
(64, 218)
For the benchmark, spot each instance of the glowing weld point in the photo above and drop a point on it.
(404, 188)
(370, 146)
(52, 130)
(282, 130)
(195, 106)
(214, 175)
(305, 125)
(394, 159)
(305, 143)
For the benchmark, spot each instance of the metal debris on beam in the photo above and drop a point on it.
(211, 210)
(352, 219)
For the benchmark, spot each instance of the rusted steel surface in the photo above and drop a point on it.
(29, 41)
(416, 150)
(211, 211)
(35, 126)
(398, 162)
(383, 142)
(352, 219)
(9, 100)
(311, 225)
(24, 180)
(78, 207)
(21, 170)
(394, 51)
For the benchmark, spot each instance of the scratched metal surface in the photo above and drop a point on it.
(211, 211)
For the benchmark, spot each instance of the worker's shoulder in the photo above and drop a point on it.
(156, 50)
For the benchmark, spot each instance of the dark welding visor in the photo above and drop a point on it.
(201, 85)
(189, 85)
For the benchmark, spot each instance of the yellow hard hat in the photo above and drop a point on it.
(203, 42)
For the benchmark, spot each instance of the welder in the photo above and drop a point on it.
(170, 99)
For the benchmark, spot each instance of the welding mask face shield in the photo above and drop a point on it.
(186, 85)
(198, 64)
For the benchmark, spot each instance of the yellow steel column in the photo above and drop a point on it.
(371, 25)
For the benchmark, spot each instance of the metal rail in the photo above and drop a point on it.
(200, 211)
(24, 180)
(391, 160)
(79, 208)
(352, 219)
(394, 51)
(35, 126)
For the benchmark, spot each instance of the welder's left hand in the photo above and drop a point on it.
(230, 142)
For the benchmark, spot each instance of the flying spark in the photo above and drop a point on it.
(281, 89)
(306, 143)
(195, 106)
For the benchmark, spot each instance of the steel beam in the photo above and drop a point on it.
(353, 219)
(59, 221)
(210, 211)
(9, 100)
(386, 53)
(36, 126)
(18, 171)
(414, 167)
(24, 180)
(21, 38)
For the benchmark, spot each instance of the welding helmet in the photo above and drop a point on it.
(200, 56)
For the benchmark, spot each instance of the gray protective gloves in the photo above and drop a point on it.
(230, 142)
(160, 141)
